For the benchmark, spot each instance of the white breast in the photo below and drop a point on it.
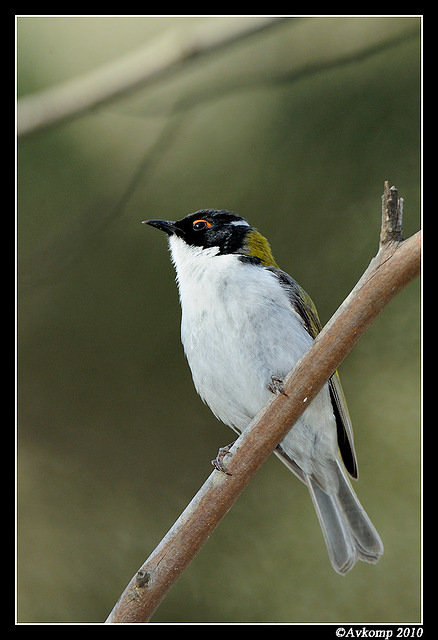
(238, 329)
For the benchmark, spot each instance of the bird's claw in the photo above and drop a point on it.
(218, 461)
(276, 386)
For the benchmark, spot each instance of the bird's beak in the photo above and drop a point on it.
(164, 225)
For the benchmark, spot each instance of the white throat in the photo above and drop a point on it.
(192, 264)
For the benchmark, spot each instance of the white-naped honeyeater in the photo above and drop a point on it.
(245, 324)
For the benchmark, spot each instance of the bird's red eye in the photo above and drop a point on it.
(201, 224)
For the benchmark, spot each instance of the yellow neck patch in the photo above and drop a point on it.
(258, 247)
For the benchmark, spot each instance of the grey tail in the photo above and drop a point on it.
(348, 532)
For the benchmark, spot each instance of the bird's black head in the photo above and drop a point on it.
(209, 228)
(221, 229)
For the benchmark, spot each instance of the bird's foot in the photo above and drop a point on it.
(218, 461)
(276, 386)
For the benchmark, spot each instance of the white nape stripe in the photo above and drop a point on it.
(239, 223)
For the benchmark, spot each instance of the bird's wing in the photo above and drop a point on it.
(304, 306)
(343, 425)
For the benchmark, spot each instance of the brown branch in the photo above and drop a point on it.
(396, 264)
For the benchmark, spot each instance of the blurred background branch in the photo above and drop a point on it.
(163, 56)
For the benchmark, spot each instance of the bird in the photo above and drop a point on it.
(245, 323)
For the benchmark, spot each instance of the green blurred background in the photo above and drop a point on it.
(296, 128)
